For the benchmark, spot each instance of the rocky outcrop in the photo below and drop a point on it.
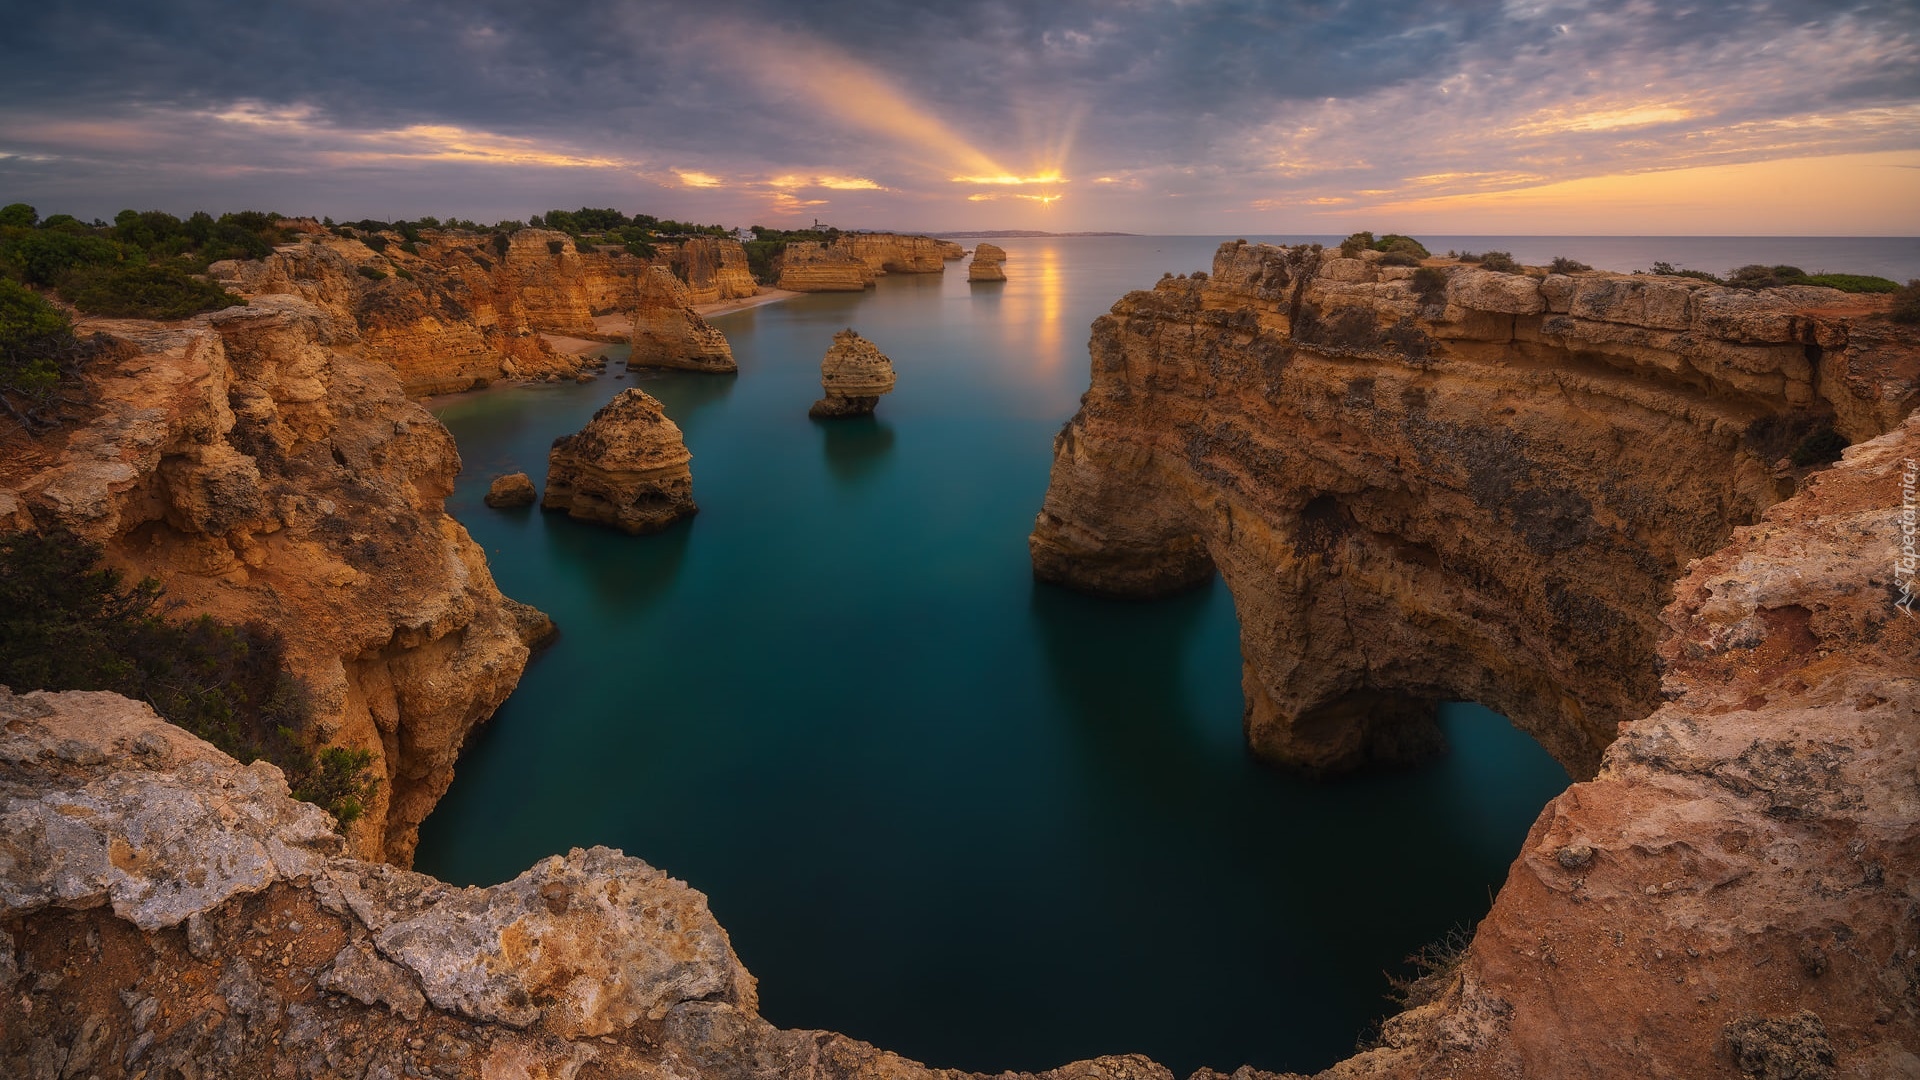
(265, 473)
(1732, 895)
(1455, 485)
(166, 912)
(713, 268)
(950, 251)
(512, 489)
(807, 266)
(854, 374)
(628, 468)
(668, 333)
(892, 253)
(988, 264)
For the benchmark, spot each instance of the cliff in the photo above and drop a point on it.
(807, 266)
(1461, 486)
(169, 913)
(668, 333)
(892, 253)
(264, 472)
(713, 268)
(628, 468)
(989, 263)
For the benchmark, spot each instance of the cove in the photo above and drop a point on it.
(980, 822)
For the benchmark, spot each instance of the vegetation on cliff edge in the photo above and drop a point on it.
(142, 265)
(66, 623)
(1758, 276)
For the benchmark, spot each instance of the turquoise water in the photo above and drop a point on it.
(980, 822)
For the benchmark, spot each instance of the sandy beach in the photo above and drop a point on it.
(574, 345)
(764, 296)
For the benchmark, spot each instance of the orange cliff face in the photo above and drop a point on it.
(714, 269)
(854, 260)
(264, 472)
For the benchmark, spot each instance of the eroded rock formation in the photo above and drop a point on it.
(893, 253)
(668, 333)
(854, 374)
(264, 472)
(808, 266)
(1418, 488)
(166, 912)
(628, 468)
(713, 268)
(988, 263)
(512, 489)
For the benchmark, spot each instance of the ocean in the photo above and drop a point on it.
(981, 822)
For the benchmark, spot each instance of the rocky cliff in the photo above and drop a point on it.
(892, 253)
(668, 333)
(169, 913)
(263, 471)
(853, 375)
(628, 468)
(807, 266)
(1450, 483)
(714, 269)
(989, 263)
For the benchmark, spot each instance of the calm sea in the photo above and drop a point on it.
(977, 821)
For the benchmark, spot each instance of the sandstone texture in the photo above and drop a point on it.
(809, 266)
(668, 333)
(892, 253)
(713, 268)
(1733, 894)
(264, 472)
(628, 468)
(1458, 486)
(513, 489)
(165, 912)
(854, 374)
(989, 264)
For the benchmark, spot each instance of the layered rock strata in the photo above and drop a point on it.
(166, 912)
(714, 269)
(989, 264)
(808, 266)
(1461, 485)
(668, 333)
(950, 251)
(853, 374)
(1732, 895)
(264, 472)
(892, 253)
(628, 468)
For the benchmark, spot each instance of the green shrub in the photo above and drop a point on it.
(1501, 261)
(34, 335)
(375, 241)
(1352, 246)
(1853, 283)
(19, 216)
(1430, 280)
(401, 271)
(68, 624)
(1906, 303)
(409, 247)
(1667, 269)
(1394, 243)
(43, 256)
(143, 292)
(1399, 258)
(1563, 265)
(372, 273)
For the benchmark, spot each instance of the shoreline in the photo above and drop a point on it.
(766, 295)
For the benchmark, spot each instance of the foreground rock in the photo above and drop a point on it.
(668, 333)
(628, 468)
(513, 489)
(166, 912)
(264, 472)
(1463, 485)
(988, 264)
(854, 374)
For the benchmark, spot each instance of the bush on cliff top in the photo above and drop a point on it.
(68, 624)
(36, 341)
(140, 266)
(1906, 303)
(143, 292)
(1391, 243)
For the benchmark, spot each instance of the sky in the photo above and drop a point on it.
(1455, 117)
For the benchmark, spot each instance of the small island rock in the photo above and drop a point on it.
(987, 264)
(854, 374)
(512, 489)
(628, 468)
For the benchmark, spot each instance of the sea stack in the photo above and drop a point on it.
(628, 468)
(854, 374)
(668, 333)
(987, 264)
(512, 489)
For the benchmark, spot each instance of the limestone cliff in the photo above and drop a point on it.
(1461, 485)
(628, 468)
(807, 266)
(713, 268)
(263, 471)
(892, 253)
(989, 263)
(853, 375)
(668, 333)
(165, 912)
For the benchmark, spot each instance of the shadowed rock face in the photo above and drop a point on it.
(264, 473)
(1469, 485)
(627, 468)
(713, 268)
(988, 264)
(668, 333)
(854, 374)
